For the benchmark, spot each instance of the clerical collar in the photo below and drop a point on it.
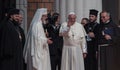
(107, 22)
(54, 26)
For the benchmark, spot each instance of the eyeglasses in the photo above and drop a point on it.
(82, 23)
(102, 16)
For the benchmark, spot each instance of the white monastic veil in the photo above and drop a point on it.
(36, 52)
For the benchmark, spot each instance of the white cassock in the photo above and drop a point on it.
(36, 52)
(74, 47)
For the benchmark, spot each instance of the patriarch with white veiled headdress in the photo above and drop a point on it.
(36, 52)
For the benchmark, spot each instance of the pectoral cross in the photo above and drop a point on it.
(19, 34)
(20, 37)
(46, 32)
(72, 33)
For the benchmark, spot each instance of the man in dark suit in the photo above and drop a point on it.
(56, 47)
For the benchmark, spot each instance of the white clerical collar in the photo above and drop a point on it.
(107, 21)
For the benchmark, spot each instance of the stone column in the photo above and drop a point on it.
(99, 8)
(79, 9)
(92, 4)
(22, 5)
(63, 10)
(70, 6)
(57, 6)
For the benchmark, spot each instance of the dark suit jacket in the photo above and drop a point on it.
(56, 47)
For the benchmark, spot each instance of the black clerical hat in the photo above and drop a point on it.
(93, 12)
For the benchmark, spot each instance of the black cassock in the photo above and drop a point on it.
(109, 49)
(11, 50)
(90, 60)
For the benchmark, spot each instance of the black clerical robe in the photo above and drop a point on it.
(91, 60)
(11, 54)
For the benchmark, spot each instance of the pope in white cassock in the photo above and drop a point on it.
(36, 52)
(75, 48)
